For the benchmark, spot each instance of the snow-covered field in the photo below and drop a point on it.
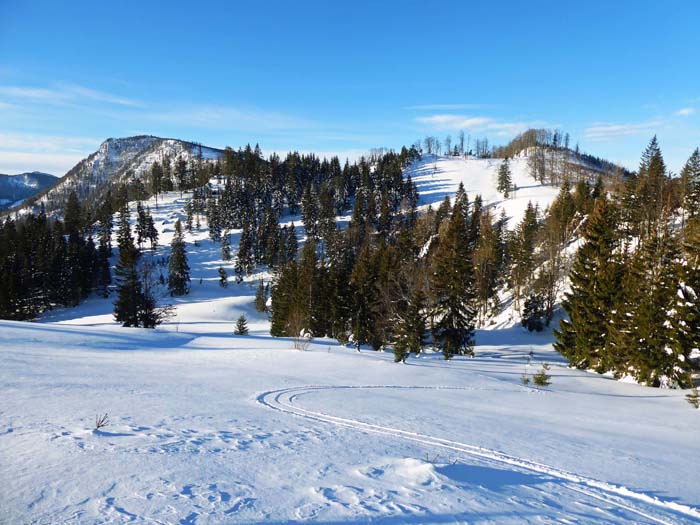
(207, 427)
(437, 177)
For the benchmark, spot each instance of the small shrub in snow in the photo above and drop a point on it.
(693, 398)
(303, 340)
(101, 421)
(525, 379)
(541, 378)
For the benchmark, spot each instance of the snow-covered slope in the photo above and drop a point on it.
(15, 188)
(117, 161)
(437, 177)
(207, 427)
(211, 428)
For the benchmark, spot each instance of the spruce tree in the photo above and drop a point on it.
(690, 177)
(282, 299)
(261, 297)
(410, 327)
(223, 277)
(241, 326)
(178, 269)
(292, 244)
(363, 281)
(244, 259)
(225, 247)
(453, 288)
(595, 282)
(130, 297)
(533, 317)
(505, 180)
(685, 318)
(151, 230)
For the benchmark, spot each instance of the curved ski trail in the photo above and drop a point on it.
(282, 400)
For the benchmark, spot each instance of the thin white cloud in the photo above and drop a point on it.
(99, 96)
(21, 152)
(62, 94)
(601, 132)
(233, 118)
(447, 107)
(448, 122)
(14, 162)
(685, 112)
(32, 142)
(455, 122)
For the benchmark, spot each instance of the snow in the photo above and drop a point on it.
(208, 427)
(437, 177)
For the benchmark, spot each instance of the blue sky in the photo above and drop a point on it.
(344, 77)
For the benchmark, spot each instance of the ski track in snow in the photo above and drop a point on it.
(654, 509)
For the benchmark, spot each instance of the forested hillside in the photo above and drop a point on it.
(408, 251)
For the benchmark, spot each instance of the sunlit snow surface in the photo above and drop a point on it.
(207, 427)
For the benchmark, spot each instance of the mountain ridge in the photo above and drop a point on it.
(116, 161)
(16, 188)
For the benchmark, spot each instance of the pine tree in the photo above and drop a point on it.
(595, 282)
(685, 318)
(223, 277)
(486, 262)
(410, 327)
(261, 297)
(130, 296)
(214, 220)
(292, 244)
(690, 177)
(282, 298)
(141, 225)
(225, 247)
(453, 282)
(310, 212)
(533, 317)
(651, 188)
(505, 180)
(244, 259)
(151, 230)
(241, 326)
(72, 215)
(178, 269)
(363, 281)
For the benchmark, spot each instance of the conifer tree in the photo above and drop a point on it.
(453, 282)
(533, 317)
(690, 177)
(178, 269)
(141, 225)
(685, 317)
(244, 259)
(505, 179)
(595, 282)
(151, 230)
(282, 299)
(223, 277)
(261, 297)
(486, 261)
(130, 297)
(291, 244)
(410, 327)
(241, 326)
(363, 280)
(225, 247)
(72, 215)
